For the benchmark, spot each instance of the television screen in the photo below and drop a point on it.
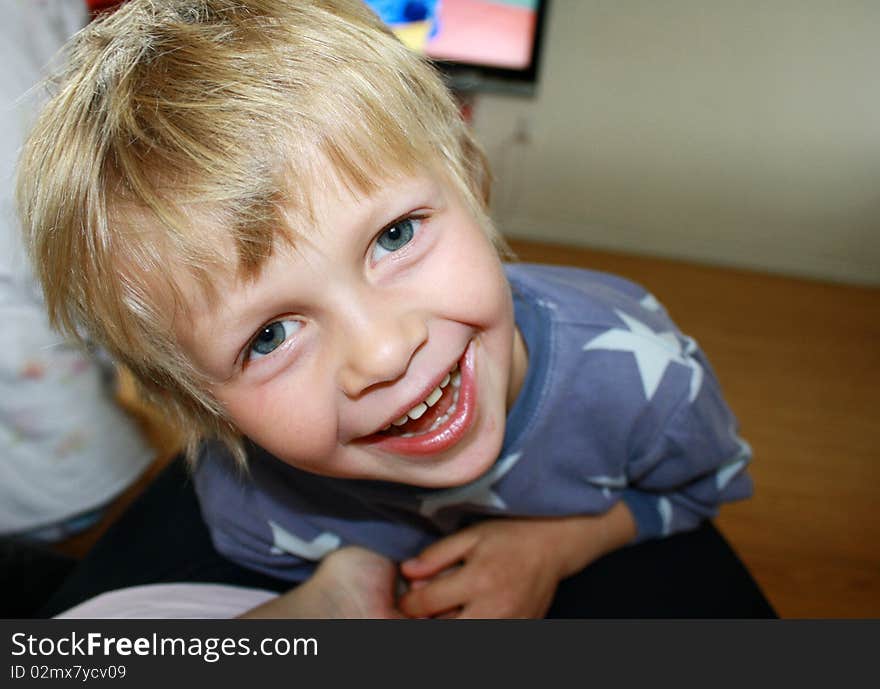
(481, 44)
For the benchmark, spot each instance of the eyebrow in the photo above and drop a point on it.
(237, 311)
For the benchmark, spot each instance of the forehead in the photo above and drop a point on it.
(196, 240)
(204, 269)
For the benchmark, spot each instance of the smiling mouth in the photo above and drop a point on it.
(437, 422)
(432, 412)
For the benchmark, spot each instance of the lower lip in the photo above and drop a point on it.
(449, 433)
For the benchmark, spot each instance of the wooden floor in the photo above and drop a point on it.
(800, 365)
(799, 362)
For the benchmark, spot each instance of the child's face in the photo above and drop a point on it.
(357, 325)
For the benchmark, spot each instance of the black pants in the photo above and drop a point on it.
(162, 539)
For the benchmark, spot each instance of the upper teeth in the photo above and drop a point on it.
(417, 411)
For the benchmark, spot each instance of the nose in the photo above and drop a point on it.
(378, 344)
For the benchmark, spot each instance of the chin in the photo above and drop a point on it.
(464, 464)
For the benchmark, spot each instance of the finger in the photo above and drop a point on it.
(507, 605)
(486, 609)
(440, 555)
(438, 596)
(450, 615)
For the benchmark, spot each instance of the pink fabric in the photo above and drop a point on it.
(170, 601)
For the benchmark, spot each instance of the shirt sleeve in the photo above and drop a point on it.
(283, 521)
(692, 463)
(230, 508)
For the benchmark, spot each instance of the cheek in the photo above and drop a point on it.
(473, 279)
(296, 427)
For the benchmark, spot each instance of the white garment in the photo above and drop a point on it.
(170, 601)
(65, 447)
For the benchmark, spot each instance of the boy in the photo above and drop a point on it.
(272, 213)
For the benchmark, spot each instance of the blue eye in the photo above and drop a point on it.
(271, 337)
(396, 237)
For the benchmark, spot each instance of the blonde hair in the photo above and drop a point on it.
(228, 107)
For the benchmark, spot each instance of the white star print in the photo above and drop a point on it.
(606, 483)
(664, 507)
(649, 302)
(477, 492)
(652, 351)
(316, 549)
(730, 469)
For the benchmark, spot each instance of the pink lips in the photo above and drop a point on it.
(449, 433)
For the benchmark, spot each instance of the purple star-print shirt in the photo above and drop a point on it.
(617, 404)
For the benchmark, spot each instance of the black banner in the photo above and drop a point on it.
(241, 652)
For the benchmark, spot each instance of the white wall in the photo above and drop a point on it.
(740, 133)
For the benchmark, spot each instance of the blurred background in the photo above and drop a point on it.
(727, 156)
(743, 134)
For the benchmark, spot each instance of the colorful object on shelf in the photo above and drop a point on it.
(414, 22)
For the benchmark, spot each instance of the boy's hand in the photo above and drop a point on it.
(506, 570)
(508, 567)
(350, 583)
